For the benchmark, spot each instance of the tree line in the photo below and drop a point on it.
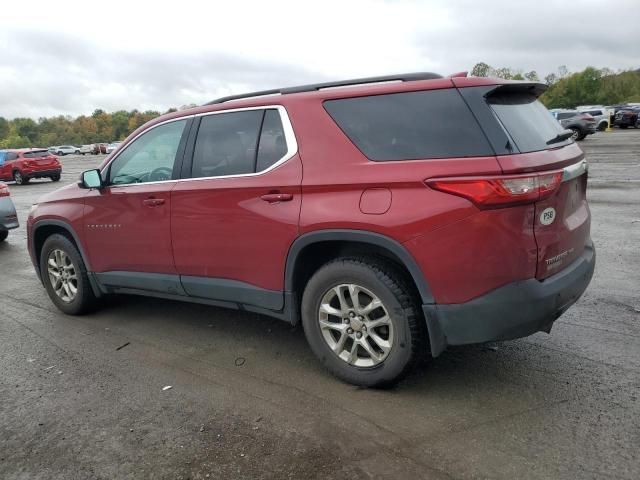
(99, 127)
(591, 86)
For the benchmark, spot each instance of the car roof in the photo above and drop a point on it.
(343, 89)
(20, 150)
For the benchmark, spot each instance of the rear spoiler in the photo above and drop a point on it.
(533, 88)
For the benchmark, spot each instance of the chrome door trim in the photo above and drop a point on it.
(289, 135)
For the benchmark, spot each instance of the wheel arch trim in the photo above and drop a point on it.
(64, 225)
(358, 236)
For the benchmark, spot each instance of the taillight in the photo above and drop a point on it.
(491, 192)
(4, 190)
(586, 116)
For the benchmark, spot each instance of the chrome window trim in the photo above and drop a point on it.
(289, 135)
(575, 170)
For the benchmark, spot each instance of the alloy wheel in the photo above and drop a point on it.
(62, 275)
(356, 325)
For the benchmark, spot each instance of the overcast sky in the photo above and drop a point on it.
(69, 57)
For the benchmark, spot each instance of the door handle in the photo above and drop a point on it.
(153, 202)
(277, 197)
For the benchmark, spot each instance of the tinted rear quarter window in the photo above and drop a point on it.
(272, 146)
(410, 125)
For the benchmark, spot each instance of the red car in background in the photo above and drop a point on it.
(21, 165)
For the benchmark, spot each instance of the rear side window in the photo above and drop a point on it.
(12, 156)
(410, 125)
(226, 144)
(238, 143)
(36, 154)
(527, 121)
(565, 115)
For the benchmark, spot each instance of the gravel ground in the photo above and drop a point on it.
(82, 397)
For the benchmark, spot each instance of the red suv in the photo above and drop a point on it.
(392, 216)
(21, 165)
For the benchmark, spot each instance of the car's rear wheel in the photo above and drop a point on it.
(19, 178)
(602, 126)
(64, 275)
(623, 126)
(3, 235)
(55, 178)
(362, 321)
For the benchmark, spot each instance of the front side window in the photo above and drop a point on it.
(11, 156)
(238, 143)
(149, 158)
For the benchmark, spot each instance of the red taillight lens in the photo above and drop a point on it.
(500, 191)
(586, 116)
(4, 190)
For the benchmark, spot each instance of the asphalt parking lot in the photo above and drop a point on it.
(82, 397)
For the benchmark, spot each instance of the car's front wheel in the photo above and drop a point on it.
(362, 321)
(65, 276)
(3, 235)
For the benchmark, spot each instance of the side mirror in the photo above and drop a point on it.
(91, 179)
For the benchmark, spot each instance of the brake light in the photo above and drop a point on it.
(492, 192)
(4, 190)
(586, 116)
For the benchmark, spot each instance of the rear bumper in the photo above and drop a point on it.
(515, 310)
(42, 173)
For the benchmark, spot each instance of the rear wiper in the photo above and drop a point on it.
(560, 137)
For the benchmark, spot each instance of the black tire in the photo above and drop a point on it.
(61, 154)
(84, 300)
(19, 179)
(602, 126)
(77, 152)
(385, 281)
(3, 235)
(623, 126)
(581, 137)
(55, 178)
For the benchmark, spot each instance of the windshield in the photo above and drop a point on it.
(527, 121)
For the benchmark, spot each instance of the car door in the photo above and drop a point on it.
(235, 214)
(127, 223)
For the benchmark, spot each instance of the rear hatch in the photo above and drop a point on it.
(562, 218)
(41, 158)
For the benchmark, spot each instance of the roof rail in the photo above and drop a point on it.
(401, 77)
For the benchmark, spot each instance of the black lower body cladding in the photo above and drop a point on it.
(515, 310)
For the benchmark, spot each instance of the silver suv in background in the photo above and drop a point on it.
(581, 124)
(600, 113)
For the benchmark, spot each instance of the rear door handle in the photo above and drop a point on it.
(153, 202)
(277, 197)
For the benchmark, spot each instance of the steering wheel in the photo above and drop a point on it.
(161, 173)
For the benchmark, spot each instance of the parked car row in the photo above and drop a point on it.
(92, 149)
(627, 116)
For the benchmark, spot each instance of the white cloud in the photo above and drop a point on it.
(70, 57)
